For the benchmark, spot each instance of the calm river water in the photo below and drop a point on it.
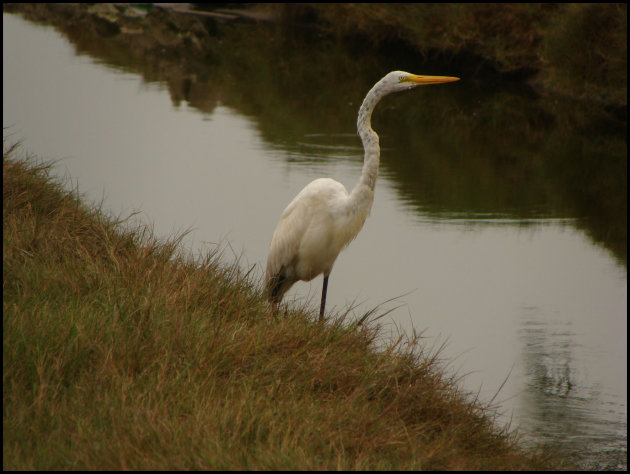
(471, 224)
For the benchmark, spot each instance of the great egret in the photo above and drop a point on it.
(323, 218)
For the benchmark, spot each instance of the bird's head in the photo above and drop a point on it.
(397, 81)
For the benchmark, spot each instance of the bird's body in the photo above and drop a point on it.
(319, 222)
(323, 218)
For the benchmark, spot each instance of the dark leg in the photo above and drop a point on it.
(321, 308)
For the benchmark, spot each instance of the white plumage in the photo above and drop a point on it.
(323, 218)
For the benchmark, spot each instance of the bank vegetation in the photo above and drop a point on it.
(120, 352)
(572, 50)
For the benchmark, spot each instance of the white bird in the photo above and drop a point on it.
(323, 218)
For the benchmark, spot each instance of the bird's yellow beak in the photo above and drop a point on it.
(425, 80)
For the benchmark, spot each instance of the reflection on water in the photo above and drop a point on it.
(503, 223)
(561, 404)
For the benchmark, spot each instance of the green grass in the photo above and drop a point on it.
(120, 353)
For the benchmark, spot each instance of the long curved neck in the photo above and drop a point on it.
(363, 192)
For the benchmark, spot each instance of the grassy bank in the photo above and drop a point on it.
(534, 41)
(120, 353)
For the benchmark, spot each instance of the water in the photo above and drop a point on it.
(472, 221)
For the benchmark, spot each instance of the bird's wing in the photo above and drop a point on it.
(286, 239)
(309, 204)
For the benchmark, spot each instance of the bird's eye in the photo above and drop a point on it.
(401, 78)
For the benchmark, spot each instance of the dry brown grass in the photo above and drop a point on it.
(118, 353)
